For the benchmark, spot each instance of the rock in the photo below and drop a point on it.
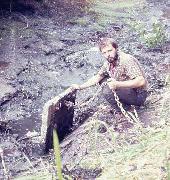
(7, 92)
(3, 126)
(167, 60)
(46, 49)
(57, 46)
(68, 41)
(91, 57)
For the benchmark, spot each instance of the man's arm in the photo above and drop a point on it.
(92, 81)
(137, 82)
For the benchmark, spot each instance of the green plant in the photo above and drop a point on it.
(57, 155)
(157, 36)
(152, 37)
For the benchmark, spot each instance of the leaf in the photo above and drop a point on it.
(57, 155)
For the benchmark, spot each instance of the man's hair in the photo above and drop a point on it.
(103, 42)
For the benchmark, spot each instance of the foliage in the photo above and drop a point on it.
(153, 36)
(46, 174)
(148, 157)
(57, 155)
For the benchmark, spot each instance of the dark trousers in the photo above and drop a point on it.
(127, 96)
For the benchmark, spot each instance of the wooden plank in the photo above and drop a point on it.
(57, 113)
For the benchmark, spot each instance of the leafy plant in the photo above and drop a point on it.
(157, 36)
(57, 155)
(153, 36)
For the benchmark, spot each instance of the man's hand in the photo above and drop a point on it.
(112, 83)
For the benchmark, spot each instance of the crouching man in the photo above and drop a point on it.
(126, 76)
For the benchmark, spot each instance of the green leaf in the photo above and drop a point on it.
(57, 155)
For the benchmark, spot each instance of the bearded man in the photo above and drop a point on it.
(126, 76)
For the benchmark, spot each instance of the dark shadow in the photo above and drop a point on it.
(16, 6)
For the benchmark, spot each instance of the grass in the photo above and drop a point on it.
(119, 159)
(151, 146)
(108, 11)
(110, 5)
(115, 155)
(147, 158)
(57, 155)
(46, 174)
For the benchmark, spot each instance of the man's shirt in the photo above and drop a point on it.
(126, 67)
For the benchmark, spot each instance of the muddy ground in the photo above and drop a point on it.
(42, 54)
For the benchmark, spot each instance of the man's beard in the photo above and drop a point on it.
(113, 59)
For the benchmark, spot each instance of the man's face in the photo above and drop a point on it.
(109, 52)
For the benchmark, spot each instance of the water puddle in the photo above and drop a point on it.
(21, 127)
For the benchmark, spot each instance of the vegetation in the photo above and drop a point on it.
(106, 12)
(57, 155)
(154, 36)
(144, 155)
(148, 157)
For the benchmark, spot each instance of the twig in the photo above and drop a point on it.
(3, 163)
(26, 22)
(10, 5)
(28, 137)
(43, 165)
(26, 157)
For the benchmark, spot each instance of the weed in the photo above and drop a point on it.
(153, 36)
(57, 155)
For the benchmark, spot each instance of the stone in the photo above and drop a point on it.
(7, 91)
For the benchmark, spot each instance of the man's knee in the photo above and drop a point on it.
(127, 96)
(132, 96)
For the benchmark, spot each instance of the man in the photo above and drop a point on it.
(126, 77)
